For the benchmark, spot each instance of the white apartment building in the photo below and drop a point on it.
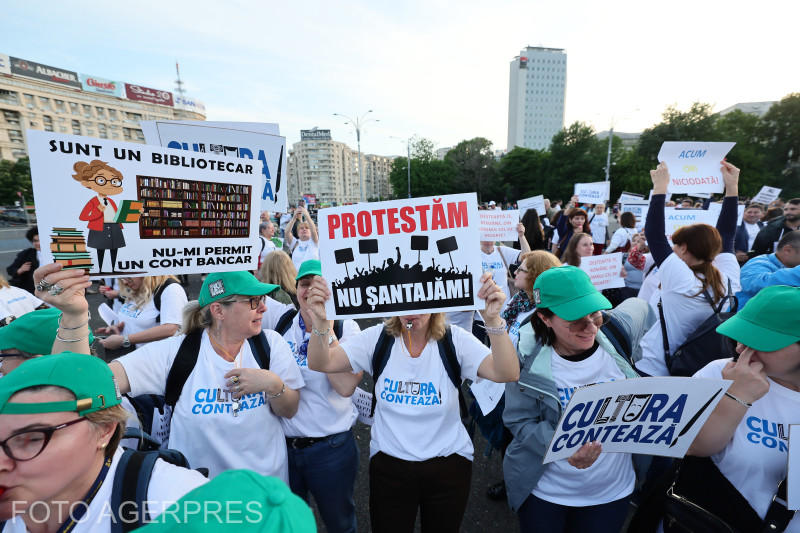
(536, 94)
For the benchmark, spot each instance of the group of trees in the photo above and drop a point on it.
(15, 178)
(767, 151)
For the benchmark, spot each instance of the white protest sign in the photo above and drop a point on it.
(499, 225)
(363, 402)
(604, 270)
(716, 209)
(793, 469)
(700, 194)
(487, 393)
(766, 195)
(593, 193)
(161, 212)
(694, 166)
(534, 202)
(416, 255)
(107, 314)
(244, 140)
(675, 218)
(667, 197)
(639, 209)
(626, 197)
(651, 416)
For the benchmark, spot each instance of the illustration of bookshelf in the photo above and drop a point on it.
(177, 208)
(69, 249)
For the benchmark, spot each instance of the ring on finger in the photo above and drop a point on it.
(43, 285)
(235, 380)
(56, 289)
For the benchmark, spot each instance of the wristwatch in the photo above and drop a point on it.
(126, 342)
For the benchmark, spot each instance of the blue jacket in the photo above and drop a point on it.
(742, 238)
(763, 271)
(533, 409)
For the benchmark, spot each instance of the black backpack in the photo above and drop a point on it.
(704, 344)
(157, 296)
(285, 322)
(447, 352)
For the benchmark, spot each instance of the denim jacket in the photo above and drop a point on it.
(532, 409)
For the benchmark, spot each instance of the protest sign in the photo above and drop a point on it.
(716, 209)
(155, 211)
(233, 140)
(363, 402)
(667, 197)
(700, 194)
(499, 225)
(639, 209)
(605, 270)
(651, 416)
(310, 199)
(694, 166)
(593, 193)
(766, 195)
(420, 255)
(626, 197)
(534, 202)
(793, 469)
(675, 218)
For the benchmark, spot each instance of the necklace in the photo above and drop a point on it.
(217, 346)
(408, 348)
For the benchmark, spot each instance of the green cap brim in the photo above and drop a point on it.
(581, 306)
(755, 336)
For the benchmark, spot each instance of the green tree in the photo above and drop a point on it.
(780, 134)
(422, 148)
(697, 124)
(15, 177)
(576, 156)
(473, 161)
(748, 154)
(521, 172)
(428, 177)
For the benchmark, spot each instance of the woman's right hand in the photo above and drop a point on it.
(113, 329)
(318, 294)
(749, 379)
(660, 178)
(72, 300)
(586, 455)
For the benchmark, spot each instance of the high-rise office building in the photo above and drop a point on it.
(536, 94)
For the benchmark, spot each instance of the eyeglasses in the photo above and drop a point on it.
(595, 318)
(28, 444)
(115, 182)
(255, 301)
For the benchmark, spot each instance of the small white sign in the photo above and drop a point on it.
(605, 270)
(534, 202)
(639, 209)
(363, 402)
(767, 195)
(626, 197)
(675, 218)
(593, 193)
(499, 225)
(694, 166)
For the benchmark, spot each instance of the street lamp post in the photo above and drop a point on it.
(358, 123)
(408, 159)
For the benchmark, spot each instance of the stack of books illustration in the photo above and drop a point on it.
(69, 248)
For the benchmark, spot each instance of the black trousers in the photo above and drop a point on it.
(438, 486)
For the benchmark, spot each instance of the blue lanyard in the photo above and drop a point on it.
(80, 510)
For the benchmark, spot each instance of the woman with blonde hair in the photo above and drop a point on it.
(152, 311)
(278, 269)
(15, 302)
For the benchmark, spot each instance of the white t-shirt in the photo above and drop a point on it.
(167, 484)
(611, 477)
(620, 239)
(417, 413)
(322, 411)
(275, 310)
(598, 223)
(755, 460)
(494, 262)
(684, 308)
(268, 245)
(203, 426)
(303, 251)
(752, 231)
(173, 300)
(16, 302)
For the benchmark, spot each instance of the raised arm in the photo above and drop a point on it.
(288, 231)
(654, 224)
(323, 357)
(502, 364)
(726, 223)
(314, 234)
(73, 325)
(524, 245)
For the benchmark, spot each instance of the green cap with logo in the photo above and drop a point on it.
(568, 292)
(33, 332)
(237, 500)
(312, 267)
(221, 284)
(86, 376)
(769, 321)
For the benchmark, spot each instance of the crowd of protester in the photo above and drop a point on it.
(256, 384)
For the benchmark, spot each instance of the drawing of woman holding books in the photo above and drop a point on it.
(101, 211)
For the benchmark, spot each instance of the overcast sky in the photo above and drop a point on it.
(432, 68)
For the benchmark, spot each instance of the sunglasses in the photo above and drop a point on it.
(28, 444)
(595, 318)
(255, 301)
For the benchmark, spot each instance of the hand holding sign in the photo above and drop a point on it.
(660, 178)
(730, 175)
(694, 165)
(494, 297)
(318, 294)
(586, 455)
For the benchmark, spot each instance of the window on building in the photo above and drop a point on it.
(48, 122)
(12, 117)
(76, 127)
(101, 130)
(29, 100)
(15, 136)
(87, 111)
(60, 107)
(138, 135)
(75, 108)
(126, 133)
(44, 103)
(9, 97)
(133, 116)
(112, 115)
(101, 112)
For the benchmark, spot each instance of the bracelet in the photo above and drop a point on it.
(76, 327)
(273, 396)
(58, 337)
(738, 400)
(319, 333)
(498, 330)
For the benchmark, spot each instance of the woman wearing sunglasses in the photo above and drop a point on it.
(563, 349)
(60, 426)
(226, 413)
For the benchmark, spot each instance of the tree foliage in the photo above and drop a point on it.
(14, 178)
(474, 164)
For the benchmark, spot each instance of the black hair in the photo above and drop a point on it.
(31, 233)
(790, 238)
(544, 334)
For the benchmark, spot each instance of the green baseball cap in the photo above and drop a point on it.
(237, 500)
(312, 267)
(33, 332)
(221, 284)
(568, 292)
(769, 321)
(86, 376)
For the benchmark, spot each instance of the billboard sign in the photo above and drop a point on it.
(95, 84)
(31, 69)
(146, 94)
(315, 135)
(189, 104)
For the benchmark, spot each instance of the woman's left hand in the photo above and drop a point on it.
(73, 282)
(244, 381)
(586, 455)
(521, 229)
(494, 296)
(112, 342)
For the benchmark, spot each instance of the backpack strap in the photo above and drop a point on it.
(379, 359)
(664, 338)
(778, 516)
(338, 328)
(447, 351)
(157, 296)
(182, 366)
(285, 321)
(131, 481)
(614, 334)
(260, 348)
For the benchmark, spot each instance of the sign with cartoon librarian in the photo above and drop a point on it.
(400, 257)
(123, 209)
